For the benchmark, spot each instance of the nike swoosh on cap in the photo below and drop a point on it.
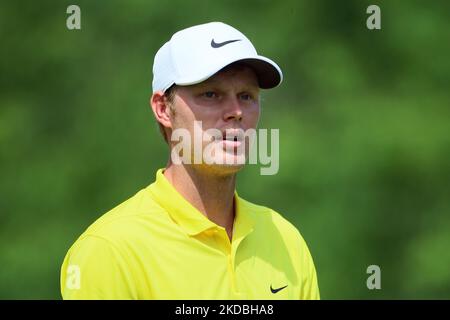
(221, 44)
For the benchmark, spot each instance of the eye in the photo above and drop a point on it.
(210, 94)
(246, 96)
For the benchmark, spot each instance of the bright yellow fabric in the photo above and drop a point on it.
(156, 245)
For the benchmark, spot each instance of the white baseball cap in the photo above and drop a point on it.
(195, 54)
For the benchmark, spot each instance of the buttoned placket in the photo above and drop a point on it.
(229, 250)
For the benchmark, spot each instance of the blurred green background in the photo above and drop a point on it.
(364, 119)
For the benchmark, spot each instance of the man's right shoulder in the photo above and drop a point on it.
(128, 218)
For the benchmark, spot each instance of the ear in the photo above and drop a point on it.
(160, 109)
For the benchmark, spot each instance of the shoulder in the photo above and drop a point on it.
(272, 224)
(136, 216)
(267, 218)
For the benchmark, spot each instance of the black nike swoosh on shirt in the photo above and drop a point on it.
(221, 44)
(276, 290)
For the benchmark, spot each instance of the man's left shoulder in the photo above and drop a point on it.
(271, 220)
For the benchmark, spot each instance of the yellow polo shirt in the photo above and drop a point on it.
(156, 245)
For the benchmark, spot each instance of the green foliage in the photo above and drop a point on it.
(363, 117)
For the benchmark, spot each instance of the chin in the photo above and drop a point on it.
(223, 169)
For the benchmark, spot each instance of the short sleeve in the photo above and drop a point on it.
(310, 290)
(310, 287)
(94, 269)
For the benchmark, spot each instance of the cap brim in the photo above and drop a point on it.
(268, 72)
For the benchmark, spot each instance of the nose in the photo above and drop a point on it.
(233, 110)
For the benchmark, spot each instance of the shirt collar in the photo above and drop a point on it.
(190, 218)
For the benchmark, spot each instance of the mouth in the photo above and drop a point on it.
(235, 139)
(232, 139)
(233, 135)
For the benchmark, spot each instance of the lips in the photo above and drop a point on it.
(236, 135)
(232, 139)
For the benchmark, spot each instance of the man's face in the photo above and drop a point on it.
(228, 100)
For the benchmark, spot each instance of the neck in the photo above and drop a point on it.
(211, 194)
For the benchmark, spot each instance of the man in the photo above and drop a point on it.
(189, 235)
